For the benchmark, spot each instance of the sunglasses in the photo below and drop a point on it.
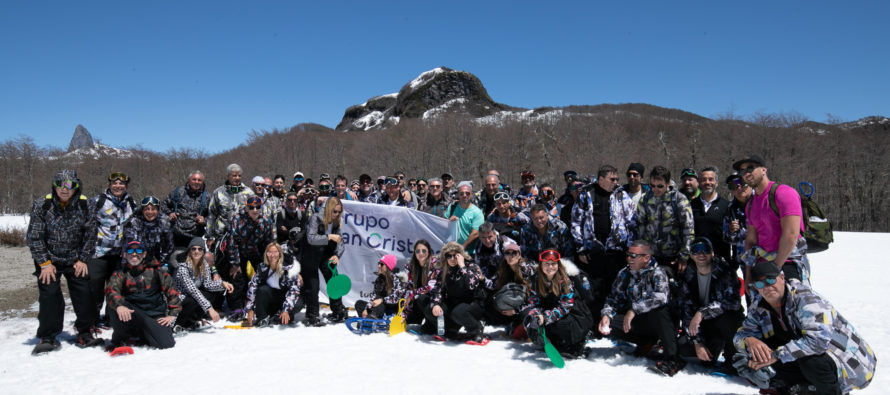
(613, 179)
(631, 255)
(632, 175)
(735, 183)
(465, 193)
(657, 186)
(575, 187)
(380, 264)
(198, 249)
(700, 248)
(420, 251)
(291, 199)
(261, 185)
(118, 176)
(748, 170)
(135, 250)
(435, 186)
(251, 208)
(335, 212)
(150, 200)
(298, 178)
(549, 256)
(421, 185)
(766, 281)
(401, 177)
(502, 196)
(66, 184)
(511, 253)
(450, 255)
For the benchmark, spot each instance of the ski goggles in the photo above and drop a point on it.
(254, 201)
(760, 284)
(701, 248)
(502, 196)
(549, 256)
(137, 250)
(150, 200)
(688, 173)
(118, 176)
(391, 181)
(299, 178)
(527, 174)
(66, 184)
(324, 176)
(324, 187)
(575, 186)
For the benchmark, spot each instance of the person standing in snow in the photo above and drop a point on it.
(225, 202)
(324, 247)
(186, 209)
(153, 230)
(62, 237)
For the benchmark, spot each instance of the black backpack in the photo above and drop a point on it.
(817, 228)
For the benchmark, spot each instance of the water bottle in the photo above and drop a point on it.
(441, 325)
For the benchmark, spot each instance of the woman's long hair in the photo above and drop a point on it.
(450, 248)
(416, 266)
(197, 267)
(559, 284)
(276, 266)
(507, 274)
(329, 216)
(387, 274)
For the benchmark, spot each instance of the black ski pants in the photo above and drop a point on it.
(466, 314)
(100, 270)
(51, 313)
(817, 370)
(655, 324)
(238, 296)
(142, 326)
(309, 293)
(192, 311)
(269, 301)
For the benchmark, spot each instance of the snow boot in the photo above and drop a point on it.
(46, 344)
(668, 367)
(86, 339)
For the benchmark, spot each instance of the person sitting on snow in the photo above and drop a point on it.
(802, 337)
(144, 301)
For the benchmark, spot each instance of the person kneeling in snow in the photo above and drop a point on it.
(144, 299)
(641, 293)
(799, 334)
(553, 304)
(388, 289)
(276, 284)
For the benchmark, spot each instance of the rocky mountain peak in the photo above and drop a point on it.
(435, 91)
(81, 139)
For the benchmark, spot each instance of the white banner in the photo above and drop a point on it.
(371, 231)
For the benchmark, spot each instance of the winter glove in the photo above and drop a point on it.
(531, 321)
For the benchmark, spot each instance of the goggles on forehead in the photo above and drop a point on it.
(324, 176)
(150, 200)
(501, 196)
(254, 201)
(391, 181)
(549, 256)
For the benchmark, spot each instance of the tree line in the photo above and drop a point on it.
(843, 164)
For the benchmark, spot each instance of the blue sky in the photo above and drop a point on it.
(165, 74)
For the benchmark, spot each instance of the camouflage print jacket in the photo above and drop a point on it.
(817, 328)
(557, 236)
(640, 291)
(249, 238)
(723, 293)
(147, 288)
(156, 237)
(110, 220)
(288, 280)
(187, 205)
(225, 202)
(61, 235)
(621, 213)
(666, 221)
(536, 303)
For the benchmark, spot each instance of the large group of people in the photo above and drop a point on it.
(654, 264)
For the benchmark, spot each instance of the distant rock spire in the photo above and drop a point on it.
(81, 139)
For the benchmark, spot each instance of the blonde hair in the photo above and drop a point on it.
(198, 266)
(277, 266)
(329, 206)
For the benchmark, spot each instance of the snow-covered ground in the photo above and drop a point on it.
(331, 360)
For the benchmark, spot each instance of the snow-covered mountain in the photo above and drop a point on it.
(83, 146)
